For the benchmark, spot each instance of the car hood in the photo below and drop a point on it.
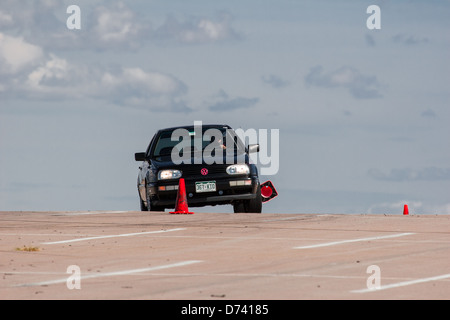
(166, 162)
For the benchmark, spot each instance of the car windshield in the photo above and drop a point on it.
(187, 140)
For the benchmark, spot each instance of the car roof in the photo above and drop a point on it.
(192, 126)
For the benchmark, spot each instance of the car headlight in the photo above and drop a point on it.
(169, 174)
(238, 169)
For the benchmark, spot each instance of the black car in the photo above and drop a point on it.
(213, 162)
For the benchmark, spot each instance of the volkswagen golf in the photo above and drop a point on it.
(211, 159)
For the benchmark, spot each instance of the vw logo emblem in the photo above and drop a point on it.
(204, 171)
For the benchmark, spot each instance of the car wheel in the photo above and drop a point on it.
(238, 207)
(143, 206)
(150, 206)
(254, 205)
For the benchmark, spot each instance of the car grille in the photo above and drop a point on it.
(196, 170)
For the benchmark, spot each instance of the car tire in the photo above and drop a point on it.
(238, 207)
(151, 207)
(249, 206)
(254, 205)
(143, 206)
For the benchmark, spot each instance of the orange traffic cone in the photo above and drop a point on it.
(181, 202)
(405, 210)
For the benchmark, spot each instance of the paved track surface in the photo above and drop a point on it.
(142, 255)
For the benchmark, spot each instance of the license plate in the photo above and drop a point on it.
(205, 186)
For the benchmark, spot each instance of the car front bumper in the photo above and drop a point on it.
(227, 191)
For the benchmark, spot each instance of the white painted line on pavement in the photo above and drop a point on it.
(114, 236)
(353, 240)
(83, 213)
(402, 284)
(112, 274)
(282, 219)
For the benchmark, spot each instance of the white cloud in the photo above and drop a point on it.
(54, 78)
(155, 82)
(17, 54)
(409, 39)
(57, 78)
(117, 26)
(197, 30)
(31, 71)
(359, 85)
(112, 25)
(107, 25)
(135, 87)
(6, 19)
(274, 81)
(225, 103)
(54, 69)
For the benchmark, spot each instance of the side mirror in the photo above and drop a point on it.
(252, 148)
(139, 156)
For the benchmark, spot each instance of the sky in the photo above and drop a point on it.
(362, 113)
